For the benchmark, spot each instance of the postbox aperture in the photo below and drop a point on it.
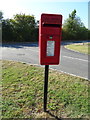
(50, 39)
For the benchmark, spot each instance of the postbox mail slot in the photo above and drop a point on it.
(51, 25)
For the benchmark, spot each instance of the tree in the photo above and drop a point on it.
(73, 28)
(24, 26)
(88, 34)
(1, 15)
(8, 31)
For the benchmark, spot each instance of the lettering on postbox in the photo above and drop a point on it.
(50, 26)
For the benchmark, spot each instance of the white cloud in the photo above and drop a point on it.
(9, 7)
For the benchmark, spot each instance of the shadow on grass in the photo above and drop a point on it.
(56, 118)
(53, 115)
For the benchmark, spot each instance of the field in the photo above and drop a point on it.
(22, 93)
(80, 47)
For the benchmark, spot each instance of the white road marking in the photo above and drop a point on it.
(76, 58)
(34, 50)
(86, 78)
(24, 48)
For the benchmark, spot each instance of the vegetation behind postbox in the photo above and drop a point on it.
(24, 28)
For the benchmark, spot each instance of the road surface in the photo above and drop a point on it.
(71, 62)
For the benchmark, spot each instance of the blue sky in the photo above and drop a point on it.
(37, 7)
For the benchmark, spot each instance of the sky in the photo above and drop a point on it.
(37, 7)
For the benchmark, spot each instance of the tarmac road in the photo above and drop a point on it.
(71, 62)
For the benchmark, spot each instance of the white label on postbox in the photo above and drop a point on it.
(50, 48)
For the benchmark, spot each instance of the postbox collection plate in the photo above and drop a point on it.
(50, 48)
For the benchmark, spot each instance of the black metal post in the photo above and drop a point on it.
(46, 87)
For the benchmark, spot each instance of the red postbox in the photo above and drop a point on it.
(49, 39)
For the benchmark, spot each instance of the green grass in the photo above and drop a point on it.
(80, 47)
(22, 93)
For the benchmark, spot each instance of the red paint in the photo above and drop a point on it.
(50, 30)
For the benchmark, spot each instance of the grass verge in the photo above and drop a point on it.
(22, 93)
(80, 47)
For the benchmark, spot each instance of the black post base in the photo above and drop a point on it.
(46, 87)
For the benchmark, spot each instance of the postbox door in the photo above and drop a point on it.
(50, 49)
